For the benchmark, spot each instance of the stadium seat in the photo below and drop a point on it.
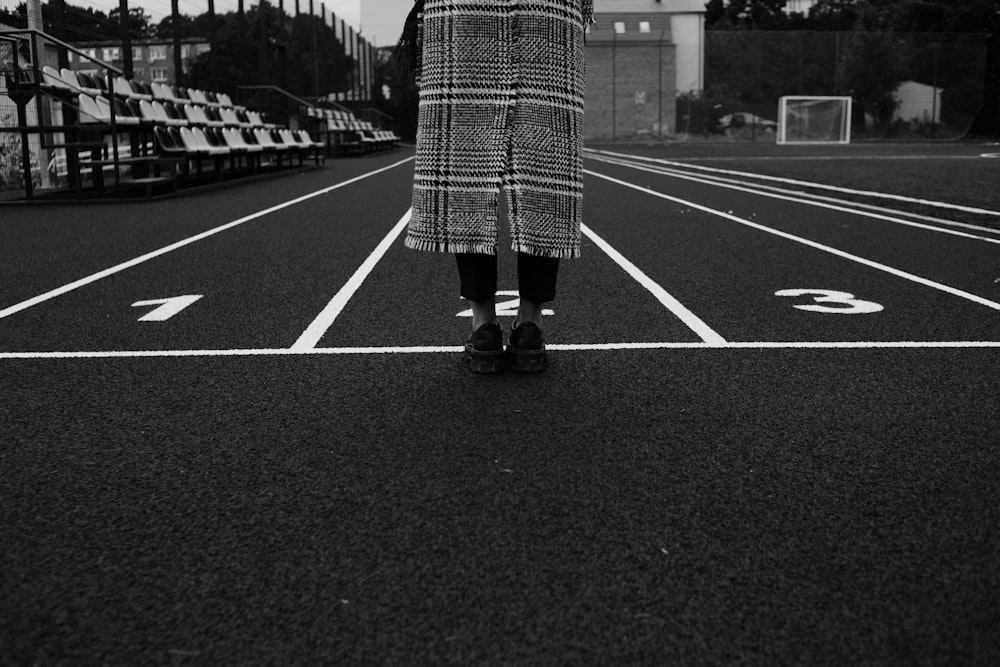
(53, 80)
(160, 113)
(234, 139)
(124, 88)
(124, 115)
(70, 77)
(90, 109)
(194, 140)
(162, 92)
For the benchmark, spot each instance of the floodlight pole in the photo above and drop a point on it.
(124, 32)
(175, 24)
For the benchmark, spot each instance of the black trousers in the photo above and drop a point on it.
(536, 276)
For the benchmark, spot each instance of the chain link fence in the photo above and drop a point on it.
(904, 85)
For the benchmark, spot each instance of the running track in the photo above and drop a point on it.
(236, 430)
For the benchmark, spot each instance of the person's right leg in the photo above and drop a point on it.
(537, 285)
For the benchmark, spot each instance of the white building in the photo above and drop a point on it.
(798, 6)
(918, 102)
(687, 33)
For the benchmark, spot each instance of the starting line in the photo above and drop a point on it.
(455, 349)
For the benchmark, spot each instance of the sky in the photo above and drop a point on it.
(379, 21)
(382, 20)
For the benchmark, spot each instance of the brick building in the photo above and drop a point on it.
(152, 60)
(640, 55)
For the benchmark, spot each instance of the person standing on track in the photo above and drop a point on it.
(501, 108)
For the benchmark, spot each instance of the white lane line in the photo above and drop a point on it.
(319, 326)
(69, 287)
(454, 349)
(813, 200)
(819, 186)
(695, 323)
(812, 244)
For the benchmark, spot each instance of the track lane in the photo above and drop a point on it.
(693, 506)
(47, 246)
(411, 298)
(730, 274)
(260, 282)
(922, 250)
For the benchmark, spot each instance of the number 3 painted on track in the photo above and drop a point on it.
(849, 305)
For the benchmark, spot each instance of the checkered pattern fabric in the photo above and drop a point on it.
(501, 108)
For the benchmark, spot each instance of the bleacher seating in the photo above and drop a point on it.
(198, 131)
(346, 134)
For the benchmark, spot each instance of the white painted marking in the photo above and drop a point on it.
(819, 201)
(453, 349)
(167, 307)
(705, 332)
(319, 326)
(69, 287)
(812, 244)
(990, 155)
(819, 186)
(506, 308)
(849, 304)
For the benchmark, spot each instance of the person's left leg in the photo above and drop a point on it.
(536, 278)
(536, 281)
(477, 274)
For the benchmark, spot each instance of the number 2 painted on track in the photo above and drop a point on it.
(847, 303)
(506, 308)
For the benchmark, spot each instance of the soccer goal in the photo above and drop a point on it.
(806, 119)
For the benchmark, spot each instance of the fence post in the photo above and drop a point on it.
(659, 123)
(934, 92)
(614, 88)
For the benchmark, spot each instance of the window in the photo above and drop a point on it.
(620, 27)
(157, 53)
(643, 26)
(158, 75)
(110, 53)
(136, 53)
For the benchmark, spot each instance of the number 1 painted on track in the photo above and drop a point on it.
(167, 307)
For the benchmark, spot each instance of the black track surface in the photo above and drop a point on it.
(638, 506)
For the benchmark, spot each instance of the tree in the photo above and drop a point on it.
(140, 24)
(745, 14)
(403, 99)
(833, 15)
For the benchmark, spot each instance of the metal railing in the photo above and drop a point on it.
(26, 52)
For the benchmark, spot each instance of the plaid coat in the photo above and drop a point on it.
(501, 108)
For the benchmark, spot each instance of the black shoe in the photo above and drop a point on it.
(526, 349)
(484, 350)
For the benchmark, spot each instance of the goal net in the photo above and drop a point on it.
(814, 120)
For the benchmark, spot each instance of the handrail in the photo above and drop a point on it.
(284, 92)
(32, 36)
(59, 42)
(376, 111)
